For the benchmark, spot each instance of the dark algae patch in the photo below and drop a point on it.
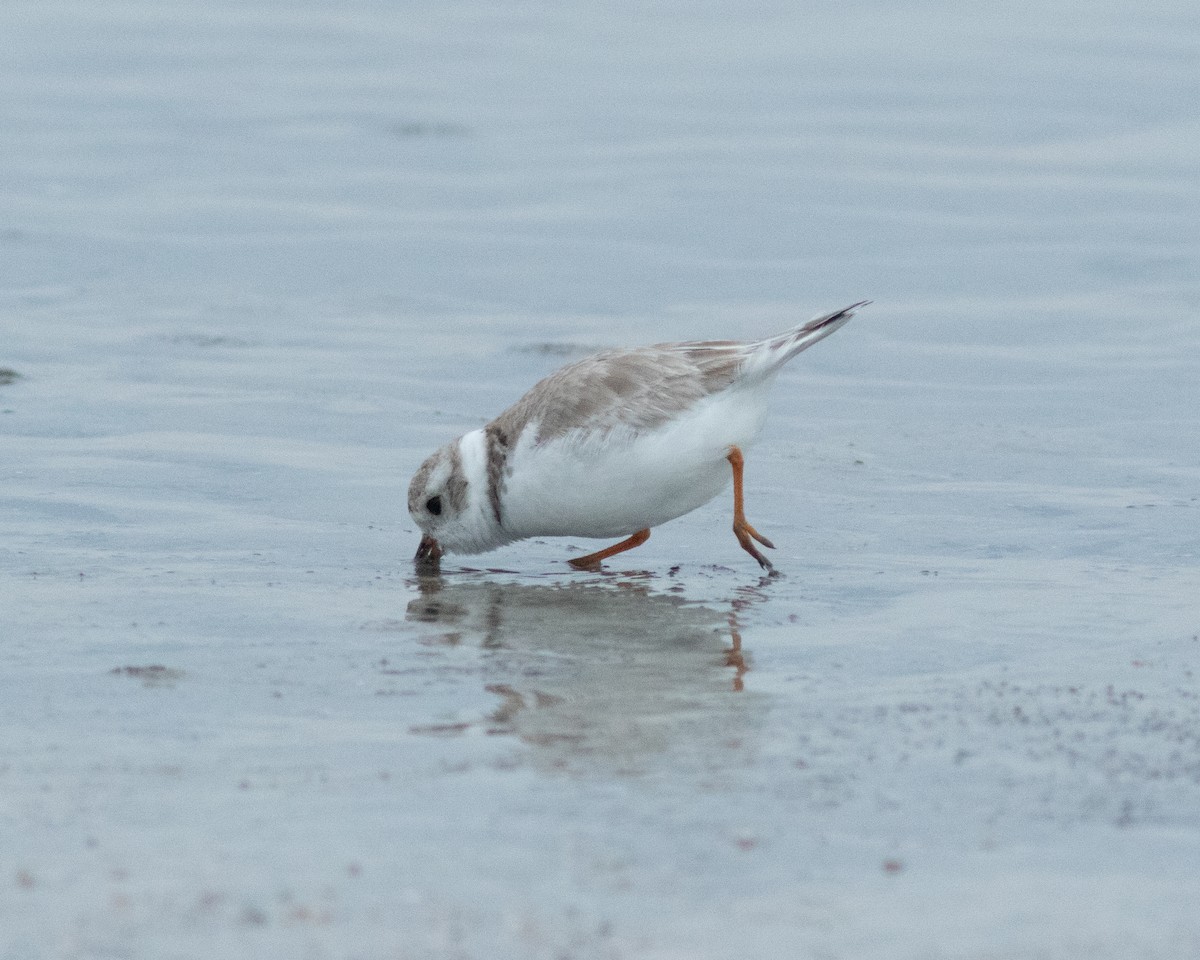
(152, 675)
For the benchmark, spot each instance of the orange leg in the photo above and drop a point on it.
(741, 526)
(592, 560)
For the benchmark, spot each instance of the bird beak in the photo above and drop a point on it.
(429, 553)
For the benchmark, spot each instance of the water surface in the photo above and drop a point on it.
(259, 259)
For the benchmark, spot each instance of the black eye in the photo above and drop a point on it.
(434, 506)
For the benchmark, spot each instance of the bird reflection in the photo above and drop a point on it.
(615, 670)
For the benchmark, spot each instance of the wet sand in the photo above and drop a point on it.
(260, 263)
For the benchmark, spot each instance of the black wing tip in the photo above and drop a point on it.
(849, 311)
(837, 316)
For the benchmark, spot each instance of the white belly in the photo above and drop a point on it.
(616, 484)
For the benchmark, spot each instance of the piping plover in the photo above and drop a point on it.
(609, 446)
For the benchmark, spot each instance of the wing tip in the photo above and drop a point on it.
(837, 317)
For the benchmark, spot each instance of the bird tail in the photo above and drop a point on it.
(777, 351)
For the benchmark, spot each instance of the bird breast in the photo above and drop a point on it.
(614, 482)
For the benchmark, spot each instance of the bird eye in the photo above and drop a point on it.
(434, 506)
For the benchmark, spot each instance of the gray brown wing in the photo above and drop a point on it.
(637, 389)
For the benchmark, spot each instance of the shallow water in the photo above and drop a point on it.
(258, 260)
